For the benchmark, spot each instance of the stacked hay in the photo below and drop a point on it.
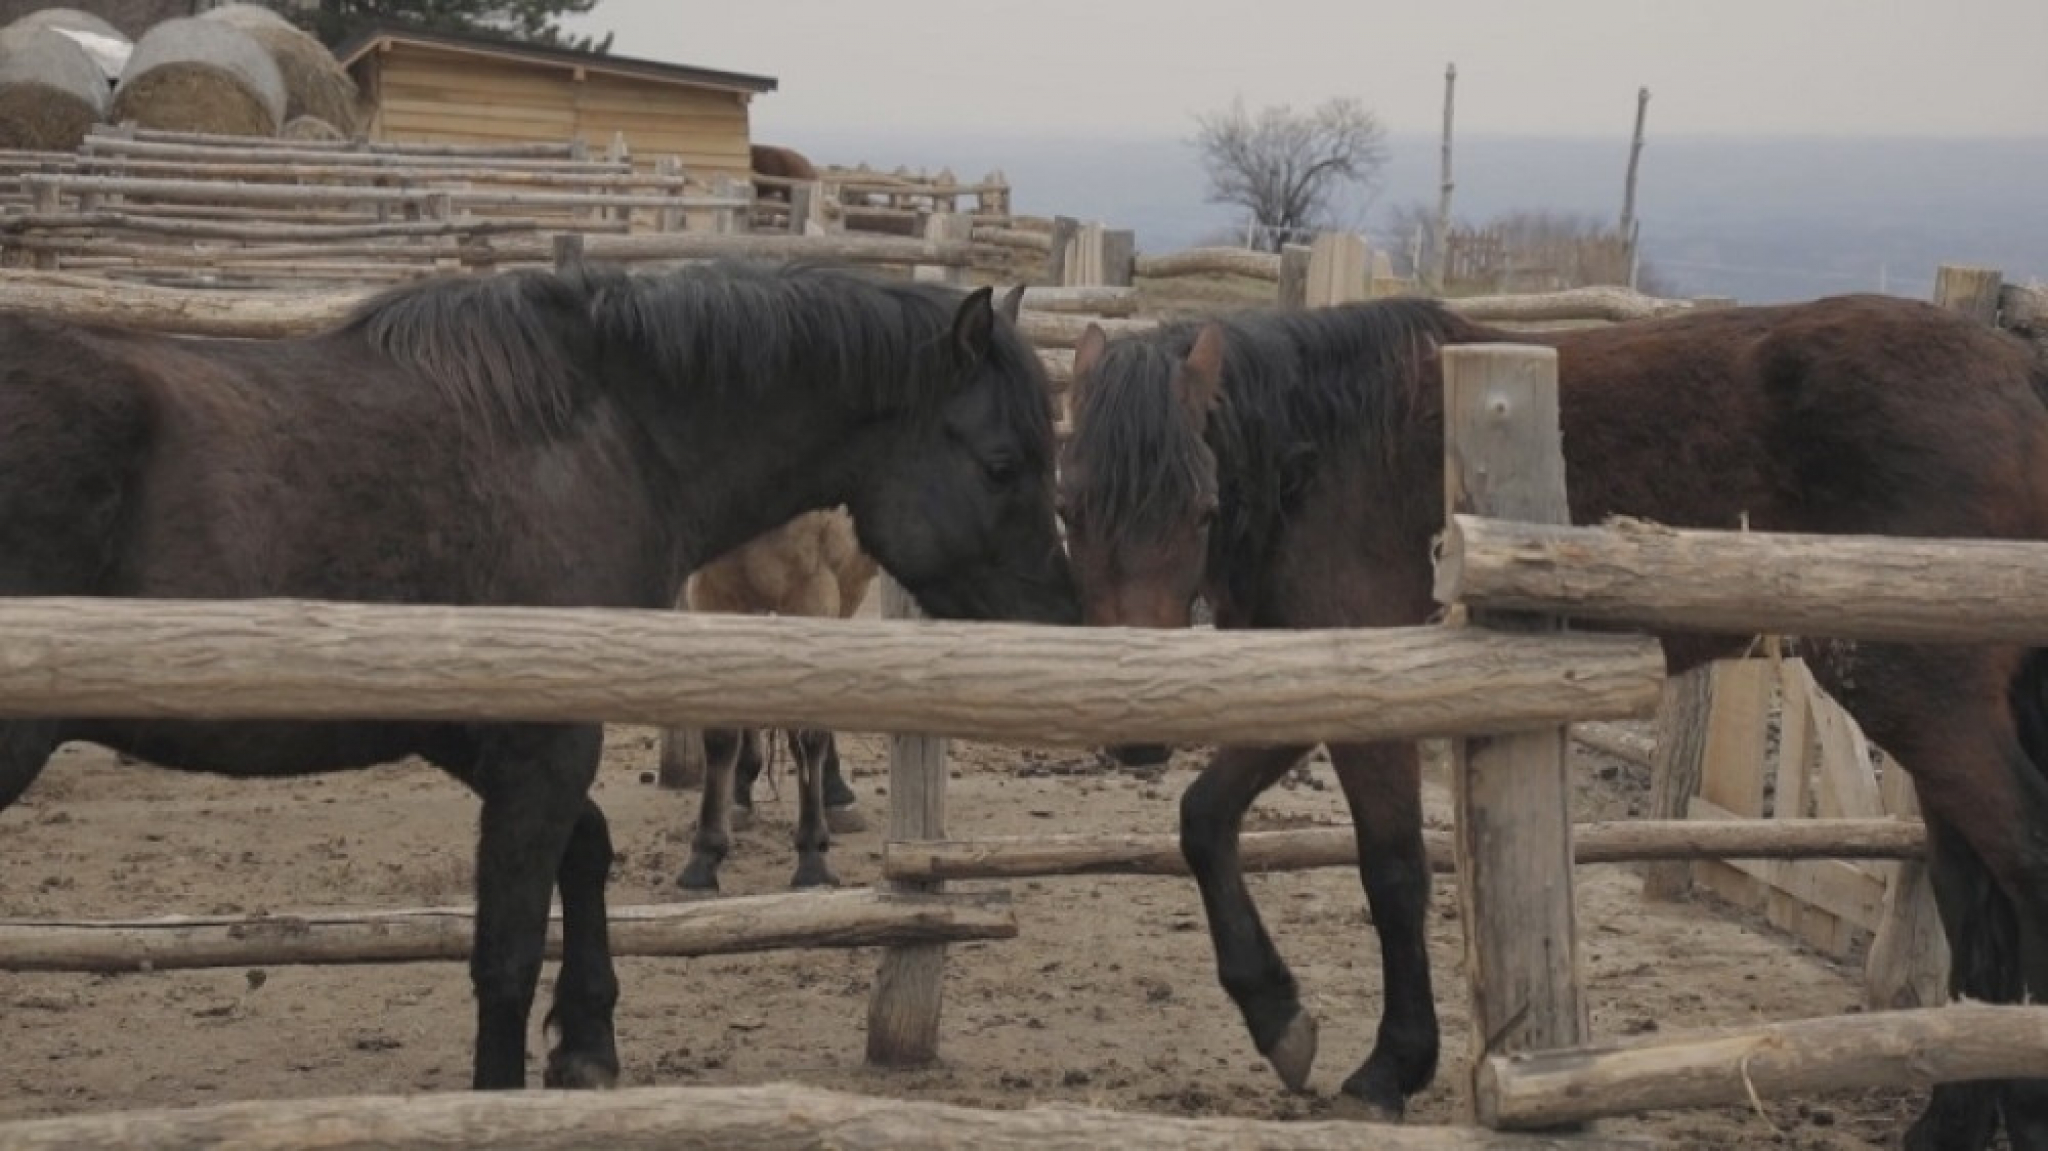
(51, 92)
(101, 40)
(311, 128)
(314, 83)
(191, 74)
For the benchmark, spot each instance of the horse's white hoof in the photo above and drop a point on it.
(1295, 1054)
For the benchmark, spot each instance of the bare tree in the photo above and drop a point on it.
(1287, 167)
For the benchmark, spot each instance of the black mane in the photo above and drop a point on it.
(520, 348)
(1295, 384)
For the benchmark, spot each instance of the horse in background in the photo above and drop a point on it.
(1287, 466)
(780, 164)
(582, 438)
(811, 566)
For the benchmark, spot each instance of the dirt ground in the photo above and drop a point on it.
(1107, 997)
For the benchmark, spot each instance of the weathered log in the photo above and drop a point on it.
(1609, 739)
(299, 659)
(854, 917)
(1052, 330)
(703, 245)
(389, 169)
(1745, 583)
(207, 151)
(1084, 300)
(257, 232)
(1014, 237)
(559, 150)
(1913, 1048)
(1210, 262)
(249, 192)
(775, 1117)
(262, 314)
(1595, 303)
(1626, 841)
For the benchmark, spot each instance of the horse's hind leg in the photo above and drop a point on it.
(841, 816)
(713, 840)
(586, 989)
(1983, 941)
(1247, 964)
(812, 838)
(535, 783)
(25, 748)
(1382, 784)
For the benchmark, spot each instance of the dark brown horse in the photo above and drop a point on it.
(1288, 467)
(584, 439)
(782, 164)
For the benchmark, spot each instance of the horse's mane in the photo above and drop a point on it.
(1296, 384)
(524, 346)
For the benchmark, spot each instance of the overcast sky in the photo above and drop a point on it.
(1942, 67)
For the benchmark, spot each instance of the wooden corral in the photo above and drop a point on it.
(440, 86)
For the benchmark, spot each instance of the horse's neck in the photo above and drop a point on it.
(748, 469)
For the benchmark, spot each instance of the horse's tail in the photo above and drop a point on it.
(2028, 695)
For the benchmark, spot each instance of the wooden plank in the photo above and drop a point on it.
(1797, 756)
(1840, 889)
(1503, 456)
(1732, 763)
(1678, 755)
(1909, 957)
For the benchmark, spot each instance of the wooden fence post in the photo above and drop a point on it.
(1119, 257)
(903, 1008)
(1971, 291)
(1294, 262)
(944, 227)
(1063, 229)
(1339, 269)
(807, 209)
(670, 219)
(1503, 457)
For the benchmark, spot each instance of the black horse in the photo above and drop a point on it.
(1288, 467)
(577, 439)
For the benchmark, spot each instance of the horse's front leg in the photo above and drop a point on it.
(535, 783)
(1382, 784)
(1248, 965)
(587, 989)
(810, 747)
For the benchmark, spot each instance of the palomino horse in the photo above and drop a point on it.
(1288, 467)
(577, 439)
(810, 566)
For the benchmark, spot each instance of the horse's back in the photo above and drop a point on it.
(1867, 414)
(76, 433)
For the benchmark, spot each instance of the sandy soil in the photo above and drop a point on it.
(1108, 996)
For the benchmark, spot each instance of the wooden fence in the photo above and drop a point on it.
(1497, 674)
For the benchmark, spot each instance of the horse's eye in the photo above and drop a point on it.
(999, 472)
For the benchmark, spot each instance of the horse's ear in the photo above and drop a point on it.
(1087, 357)
(974, 325)
(1013, 303)
(1201, 382)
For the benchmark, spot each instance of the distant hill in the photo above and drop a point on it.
(1758, 218)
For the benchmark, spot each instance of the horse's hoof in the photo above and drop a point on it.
(699, 880)
(845, 820)
(811, 877)
(1295, 1052)
(1365, 1097)
(580, 1073)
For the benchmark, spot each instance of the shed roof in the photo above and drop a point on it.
(548, 56)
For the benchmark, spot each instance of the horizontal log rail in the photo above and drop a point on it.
(1019, 683)
(1625, 841)
(776, 1115)
(1908, 1048)
(1745, 583)
(852, 917)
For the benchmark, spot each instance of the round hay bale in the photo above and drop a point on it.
(314, 82)
(51, 92)
(103, 42)
(310, 128)
(190, 74)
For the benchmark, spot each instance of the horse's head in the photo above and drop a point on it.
(959, 507)
(1137, 482)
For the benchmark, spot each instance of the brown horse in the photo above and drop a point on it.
(811, 566)
(782, 163)
(1288, 467)
(583, 439)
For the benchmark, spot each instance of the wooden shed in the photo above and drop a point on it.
(452, 87)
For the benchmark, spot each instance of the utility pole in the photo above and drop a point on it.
(1443, 203)
(1629, 224)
